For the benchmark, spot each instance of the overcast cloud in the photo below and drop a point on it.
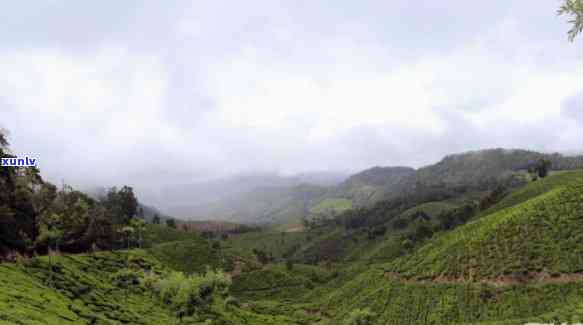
(154, 92)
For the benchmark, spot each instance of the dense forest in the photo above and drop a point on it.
(37, 216)
(486, 237)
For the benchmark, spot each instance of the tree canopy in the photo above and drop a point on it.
(35, 215)
(573, 9)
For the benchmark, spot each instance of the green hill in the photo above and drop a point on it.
(104, 288)
(281, 201)
(519, 261)
(469, 240)
(540, 236)
(373, 185)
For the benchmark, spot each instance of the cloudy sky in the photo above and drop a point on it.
(156, 92)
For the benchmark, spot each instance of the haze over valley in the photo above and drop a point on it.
(291, 162)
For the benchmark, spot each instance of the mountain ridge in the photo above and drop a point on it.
(475, 170)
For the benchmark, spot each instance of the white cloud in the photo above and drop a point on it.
(215, 88)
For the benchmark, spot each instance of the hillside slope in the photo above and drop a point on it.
(520, 261)
(542, 235)
(101, 288)
(287, 202)
(373, 185)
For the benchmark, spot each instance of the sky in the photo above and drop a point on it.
(151, 93)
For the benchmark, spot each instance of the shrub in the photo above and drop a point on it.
(231, 301)
(407, 244)
(127, 278)
(186, 294)
(218, 280)
(400, 223)
(360, 317)
(149, 281)
(289, 265)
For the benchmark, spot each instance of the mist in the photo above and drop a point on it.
(169, 97)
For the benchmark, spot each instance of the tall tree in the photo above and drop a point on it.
(122, 204)
(573, 9)
(51, 233)
(171, 223)
(129, 202)
(140, 227)
(3, 139)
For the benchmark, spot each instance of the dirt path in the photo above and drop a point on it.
(273, 288)
(501, 281)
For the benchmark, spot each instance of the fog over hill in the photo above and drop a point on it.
(273, 198)
(190, 200)
(180, 92)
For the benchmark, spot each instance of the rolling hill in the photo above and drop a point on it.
(285, 201)
(515, 260)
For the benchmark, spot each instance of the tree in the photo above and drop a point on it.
(171, 223)
(156, 219)
(289, 264)
(140, 226)
(400, 223)
(127, 232)
(543, 167)
(51, 233)
(573, 9)
(122, 204)
(262, 257)
(3, 140)
(540, 169)
(128, 202)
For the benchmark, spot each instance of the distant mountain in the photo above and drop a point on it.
(275, 204)
(373, 185)
(474, 168)
(223, 197)
(286, 199)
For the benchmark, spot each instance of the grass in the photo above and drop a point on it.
(277, 282)
(396, 302)
(542, 234)
(332, 204)
(157, 234)
(277, 244)
(450, 279)
(192, 256)
(81, 292)
(433, 209)
(534, 189)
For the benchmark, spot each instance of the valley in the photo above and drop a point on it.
(509, 252)
(291, 162)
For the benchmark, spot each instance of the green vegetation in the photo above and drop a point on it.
(156, 234)
(36, 217)
(360, 317)
(432, 209)
(331, 205)
(489, 237)
(573, 9)
(276, 244)
(400, 302)
(82, 291)
(278, 281)
(117, 288)
(539, 235)
(192, 256)
(516, 260)
(189, 294)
